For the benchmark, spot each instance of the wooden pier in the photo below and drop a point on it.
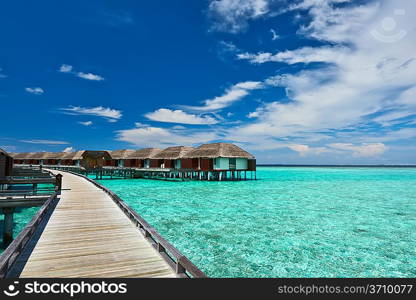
(10, 199)
(93, 233)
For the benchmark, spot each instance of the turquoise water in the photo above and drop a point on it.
(21, 216)
(293, 222)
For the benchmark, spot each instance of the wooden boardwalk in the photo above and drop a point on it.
(88, 235)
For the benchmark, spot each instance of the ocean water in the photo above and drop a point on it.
(292, 222)
(21, 216)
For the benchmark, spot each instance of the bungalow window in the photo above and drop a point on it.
(232, 163)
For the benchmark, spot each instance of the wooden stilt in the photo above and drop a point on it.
(8, 225)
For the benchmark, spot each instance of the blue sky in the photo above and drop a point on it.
(307, 81)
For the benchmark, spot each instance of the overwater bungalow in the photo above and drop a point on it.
(216, 161)
(118, 158)
(141, 158)
(91, 159)
(132, 158)
(19, 158)
(35, 158)
(85, 158)
(50, 158)
(6, 163)
(219, 160)
(66, 158)
(170, 158)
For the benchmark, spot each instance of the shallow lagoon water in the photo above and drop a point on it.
(293, 222)
(21, 216)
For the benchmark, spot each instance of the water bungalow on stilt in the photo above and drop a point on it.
(141, 158)
(6, 164)
(221, 161)
(216, 161)
(19, 158)
(170, 158)
(118, 158)
(91, 159)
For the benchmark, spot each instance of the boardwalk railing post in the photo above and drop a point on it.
(160, 248)
(58, 184)
(8, 225)
(179, 268)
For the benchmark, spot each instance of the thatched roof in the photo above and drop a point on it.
(35, 155)
(3, 152)
(120, 154)
(67, 155)
(91, 153)
(22, 155)
(219, 150)
(173, 152)
(51, 155)
(145, 153)
(59, 155)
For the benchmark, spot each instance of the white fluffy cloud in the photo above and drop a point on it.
(362, 79)
(302, 55)
(233, 15)
(86, 123)
(179, 116)
(231, 95)
(349, 96)
(69, 149)
(112, 115)
(364, 150)
(357, 150)
(147, 136)
(89, 76)
(65, 68)
(36, 90)
(305, 150)
(45, 142)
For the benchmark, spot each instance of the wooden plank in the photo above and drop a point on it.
(23, 202)
(28, 181)
(182, 265)
(88, 235)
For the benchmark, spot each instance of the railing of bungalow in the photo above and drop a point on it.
(179, 262)
(16, 247)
